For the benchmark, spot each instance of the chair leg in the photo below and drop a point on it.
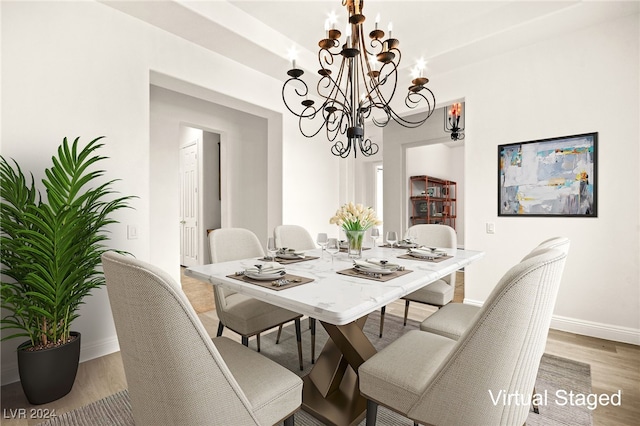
(533, 403)
(299, 340)
(220, 328)
(245, 340)
(372, 412)
(289, 421)
(382, 311)
(279, 333)
(258, 341)
(406, 311)
(312, 326)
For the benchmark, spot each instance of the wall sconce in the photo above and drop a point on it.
(452, 121)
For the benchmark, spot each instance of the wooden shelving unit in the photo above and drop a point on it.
(432, 200)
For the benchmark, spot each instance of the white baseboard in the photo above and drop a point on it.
(594, 329)
(87, 352)
(588, 328)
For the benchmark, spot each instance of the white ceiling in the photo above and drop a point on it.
(448, 34)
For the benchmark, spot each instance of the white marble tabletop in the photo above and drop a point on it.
(335, 298)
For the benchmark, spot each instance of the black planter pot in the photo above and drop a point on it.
(48, 374)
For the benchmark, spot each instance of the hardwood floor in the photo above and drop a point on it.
(614, 366)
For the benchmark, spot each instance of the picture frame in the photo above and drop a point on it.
(549, 177)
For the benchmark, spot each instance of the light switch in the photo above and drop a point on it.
(132, 232)
(491, 228)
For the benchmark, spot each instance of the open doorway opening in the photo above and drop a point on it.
(200, 193)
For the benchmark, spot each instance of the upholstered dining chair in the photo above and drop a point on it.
(293, 236)
(298, 238)
(435, 380)
(240, 313)
(439, 292)
(175, 373)
(453, 320)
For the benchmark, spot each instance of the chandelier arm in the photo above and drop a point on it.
(300, 94)
(340, 150)
(393, 74)
(368, 148)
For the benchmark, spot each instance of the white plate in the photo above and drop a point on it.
(264, 276)
(290, 256)
(374, 270)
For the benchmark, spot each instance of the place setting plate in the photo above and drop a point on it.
(429, 254)
(374, 269)
(278, 279)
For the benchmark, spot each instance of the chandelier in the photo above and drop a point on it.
(452, 122)
(358, 79)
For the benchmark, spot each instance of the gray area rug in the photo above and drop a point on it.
(555, 374)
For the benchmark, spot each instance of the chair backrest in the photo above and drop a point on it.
(228, 244)
(500, 353)
(293, 236)
(175, 374)
(436, 235)
(233, 244)
(560, 243)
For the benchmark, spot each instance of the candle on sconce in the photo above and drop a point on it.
(390, 28)
(421, 65)
(293, 53)
(377, 20)
(327, 26)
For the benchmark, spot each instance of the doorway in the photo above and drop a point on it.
(200, 193)
(189, 177)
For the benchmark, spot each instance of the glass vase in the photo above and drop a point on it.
(354, 239)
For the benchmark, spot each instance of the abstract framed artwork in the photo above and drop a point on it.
(549, 177)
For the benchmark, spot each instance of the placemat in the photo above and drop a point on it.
(269, 284)
(353, 273)
(288, 261)
(434, 260)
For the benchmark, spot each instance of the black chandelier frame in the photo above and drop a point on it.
(357, 89)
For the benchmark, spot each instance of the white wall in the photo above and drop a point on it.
(85, 69)
(574, 83)
(211, 201)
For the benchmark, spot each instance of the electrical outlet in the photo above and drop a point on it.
(491, 228)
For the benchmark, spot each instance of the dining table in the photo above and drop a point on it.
(340, 297)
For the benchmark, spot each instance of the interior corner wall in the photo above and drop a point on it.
(572, 83)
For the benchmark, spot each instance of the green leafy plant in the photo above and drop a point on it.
(50, 249)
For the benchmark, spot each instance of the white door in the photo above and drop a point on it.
(189, 205)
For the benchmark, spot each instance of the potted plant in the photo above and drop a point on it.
(50, 252)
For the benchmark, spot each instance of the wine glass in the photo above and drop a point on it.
(333, 248)
(409, 237)
(375, 234)
(271, 248)
(322, 242)
(392, 238)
